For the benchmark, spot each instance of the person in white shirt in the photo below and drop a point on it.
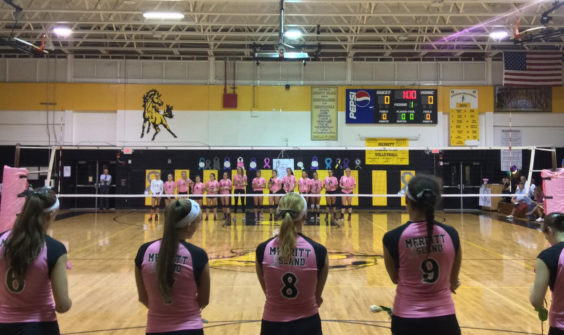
(520, 197)
(105, 182)
(156, 189)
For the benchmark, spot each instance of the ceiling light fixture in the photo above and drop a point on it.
(293, 34)
(62, 31)
(163, 15)
(499, 34)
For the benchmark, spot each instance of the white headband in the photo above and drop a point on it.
(191, 217)
(53, 207)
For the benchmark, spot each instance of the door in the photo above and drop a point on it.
(86, 177)
(460, 178)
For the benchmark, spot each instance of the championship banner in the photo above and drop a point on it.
(464, 125)
(324, 117)
(387, 157)
(149, 175)
(380, 186)
(405, 177)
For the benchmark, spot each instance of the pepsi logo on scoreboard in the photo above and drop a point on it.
(360, 106)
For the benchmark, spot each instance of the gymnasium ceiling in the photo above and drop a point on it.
(364, 30)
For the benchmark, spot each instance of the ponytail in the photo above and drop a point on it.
(291, 208)
(27, 237)
(423, 193)
(177, 210)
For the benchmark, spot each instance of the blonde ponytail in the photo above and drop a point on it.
(291, 209)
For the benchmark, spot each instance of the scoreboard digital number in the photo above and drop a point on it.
(392, 106)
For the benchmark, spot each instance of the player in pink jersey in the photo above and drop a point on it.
(212, 187)
(33, 270)
(315, 187)
(275, 187)
(240, 185)
(184, 183)
(423, 258)
(225, 186)
(169, 187)
(548, 272)
(173, 276)
(198, 190)
(289, 181)
(292, 270)
(303, 185)
(258, 184)
(331, 184)
(347, 184)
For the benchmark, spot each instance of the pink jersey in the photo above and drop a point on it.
(304, 185)
(289, 183)
(183, 185)
(553, 257)
(315, 186)
(212, 186)
(275, 184)
(169, 187)
(239, 182)
(198, 188)
(184, 312)
(259, 184)
(331, 183)
(30, 301)
(290, 284)
(423, 289)
(347, 184)
(225, 186)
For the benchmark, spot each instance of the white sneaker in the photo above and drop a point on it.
(539, 219)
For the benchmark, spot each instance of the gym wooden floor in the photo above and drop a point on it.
(497, 271)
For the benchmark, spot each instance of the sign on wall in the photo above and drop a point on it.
(387, 157)
(464, 97)
(464, 125)
(324, 117)
(511, 138)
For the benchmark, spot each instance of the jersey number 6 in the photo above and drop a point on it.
(430, 269)
(289, 290)
(14, 286)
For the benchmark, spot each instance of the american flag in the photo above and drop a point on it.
(532, 69)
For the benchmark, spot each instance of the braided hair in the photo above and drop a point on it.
(424, 193)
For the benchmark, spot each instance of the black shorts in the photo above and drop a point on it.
(196, 197)
(331, 192)
(182, 192)
(555, 331)
(305, 326)
(169, 196)
(30, 328)
(181, 332)
(444, 325)
(258, 192)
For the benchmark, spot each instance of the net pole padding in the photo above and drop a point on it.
(51, 163)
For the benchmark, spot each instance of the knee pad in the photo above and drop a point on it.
(312, 206)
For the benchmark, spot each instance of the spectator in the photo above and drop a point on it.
(521, 201)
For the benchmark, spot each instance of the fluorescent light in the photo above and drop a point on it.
(293, 34)
(163, 15)
(499, 34)
(62, 31)
(296, 55)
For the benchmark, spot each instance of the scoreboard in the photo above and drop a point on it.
(391, 106)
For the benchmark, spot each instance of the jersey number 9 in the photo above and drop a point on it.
(430, 269)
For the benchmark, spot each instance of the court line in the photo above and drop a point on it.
(502, 256)
(96, 242)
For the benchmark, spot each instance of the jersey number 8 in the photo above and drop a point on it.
(14, 286)
(289, 290)
(430, 269)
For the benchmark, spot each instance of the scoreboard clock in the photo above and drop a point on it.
(391, 106)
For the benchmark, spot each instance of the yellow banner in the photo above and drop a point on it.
(464, 125)
(383, 157)
(405, 177)
(379, 186)
(149, 175)
(324, 117)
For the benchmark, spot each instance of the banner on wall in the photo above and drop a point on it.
(280, 165)
(385, 157)
(468, 96)
(464, 125)
(324, 117)
(511, 138)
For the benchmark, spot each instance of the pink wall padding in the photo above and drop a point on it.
(553, 188)
(11, 205)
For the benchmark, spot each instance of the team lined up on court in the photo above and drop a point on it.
(423, 257)
(311, 188)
